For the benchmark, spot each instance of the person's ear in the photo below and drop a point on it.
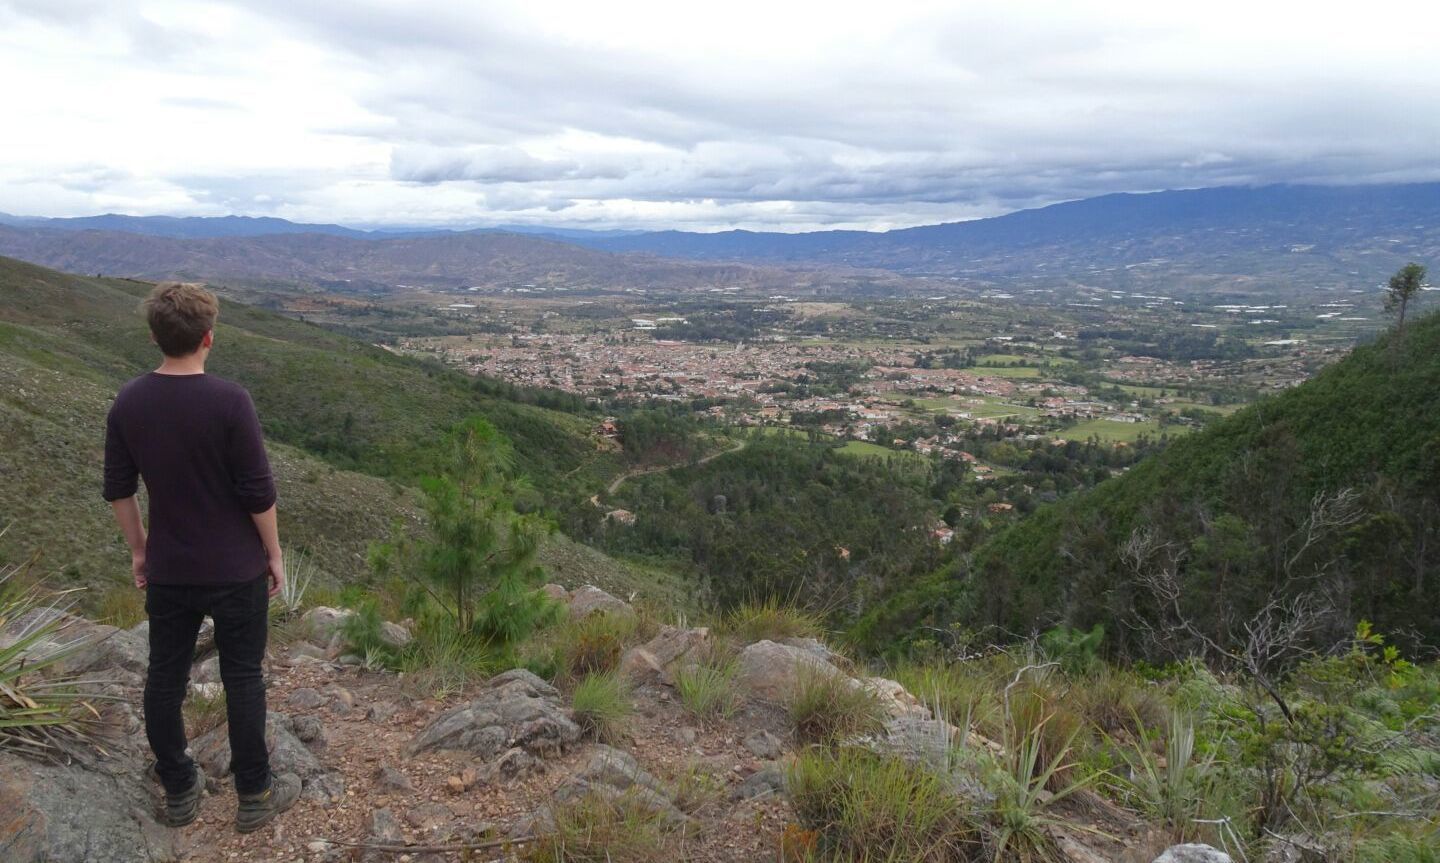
(208, 339)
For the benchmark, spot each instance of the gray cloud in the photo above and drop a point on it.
(756, 114)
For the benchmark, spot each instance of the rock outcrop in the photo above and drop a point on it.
(288, 754)
(50, 812)
(771, 672)
(588, 599)
(656, 659)
(515, 710)
(1193, 853)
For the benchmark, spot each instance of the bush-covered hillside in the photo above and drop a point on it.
(1330, 491)
(349, 424)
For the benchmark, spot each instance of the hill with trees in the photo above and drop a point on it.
(351, 427)
(1289, 520)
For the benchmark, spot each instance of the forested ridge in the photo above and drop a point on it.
(1325, 494)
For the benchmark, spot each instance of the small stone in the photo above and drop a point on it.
(455, 784)
(687, 736)
(305, 699)
(382, 712)
(309, 729)
(767, 780)
(763, 744)
(389, 778)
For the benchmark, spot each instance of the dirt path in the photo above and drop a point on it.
(620, 480)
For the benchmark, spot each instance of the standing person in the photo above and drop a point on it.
(213, 548)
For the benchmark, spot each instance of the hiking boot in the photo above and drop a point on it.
(181, 809)
(257, 810)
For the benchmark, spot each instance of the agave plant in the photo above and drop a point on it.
(1021, 825)
(299, 572)
(42, 710)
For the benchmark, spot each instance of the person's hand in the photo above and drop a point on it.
(276, 571)
(137, 569)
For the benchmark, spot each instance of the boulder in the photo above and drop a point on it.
(672, 646)
(589, 599)
(772, 672)
(1193, 852)
(323, 625)
(817, 647)
(207, 671)
(556, 592)
(515, 709)
(288, 754)
(615, 776)
(895, 699)
(79, 812)
(941, 746)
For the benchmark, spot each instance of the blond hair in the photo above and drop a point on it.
(180, 314)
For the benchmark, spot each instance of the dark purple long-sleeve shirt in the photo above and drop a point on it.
(195, 440)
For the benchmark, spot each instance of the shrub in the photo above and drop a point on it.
(829, 707)
(601, 702)
(599, 829)
(440, 661)
(696, 788)
(362, 635)
(594, 643)
(1114, 701)
(862, 806)
(707, 689)
(1076, 650)
(758, 621)
(1422, 847)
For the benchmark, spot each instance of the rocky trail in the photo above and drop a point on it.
(476, 776)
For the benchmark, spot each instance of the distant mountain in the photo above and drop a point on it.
(1203, 238)
(201, 227)
(186, 227)
(485, 259)
(1235, 240)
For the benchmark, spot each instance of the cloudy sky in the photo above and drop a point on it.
(776, 115)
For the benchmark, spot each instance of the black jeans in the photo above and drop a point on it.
(242, 620)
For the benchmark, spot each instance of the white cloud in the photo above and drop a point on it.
(755, 114)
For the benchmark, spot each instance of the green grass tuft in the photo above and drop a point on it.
(708, 689)
(827, 708)
(601, 703)
(863, 806)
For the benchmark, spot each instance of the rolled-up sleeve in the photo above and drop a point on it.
(250, 475)
(122, 478)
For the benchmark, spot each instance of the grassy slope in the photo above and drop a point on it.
(67, 342)
(1374, 414)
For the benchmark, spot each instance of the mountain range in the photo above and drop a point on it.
(1232, 239)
